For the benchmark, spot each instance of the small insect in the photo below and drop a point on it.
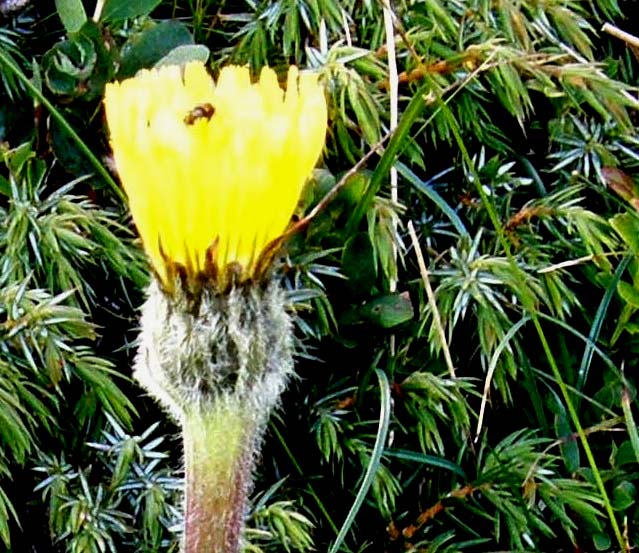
(201, 111)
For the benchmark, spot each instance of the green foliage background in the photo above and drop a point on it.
(467, 302)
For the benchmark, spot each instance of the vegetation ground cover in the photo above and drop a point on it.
(466, 303)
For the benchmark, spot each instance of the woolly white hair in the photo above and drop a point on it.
(234, 347)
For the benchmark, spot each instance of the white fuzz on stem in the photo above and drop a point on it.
(218, 365)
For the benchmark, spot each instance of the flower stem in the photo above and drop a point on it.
(218, 451)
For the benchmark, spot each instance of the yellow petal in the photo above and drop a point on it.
(213, 164)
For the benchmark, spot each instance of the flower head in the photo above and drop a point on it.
(213, 171)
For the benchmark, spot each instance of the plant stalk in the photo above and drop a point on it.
(218, 451)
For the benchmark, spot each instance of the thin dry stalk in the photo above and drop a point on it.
(431, 299)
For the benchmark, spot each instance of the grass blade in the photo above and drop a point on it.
(378, 450)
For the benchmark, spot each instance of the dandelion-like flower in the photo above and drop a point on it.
(213, 171)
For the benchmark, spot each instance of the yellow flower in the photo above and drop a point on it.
(213, 171)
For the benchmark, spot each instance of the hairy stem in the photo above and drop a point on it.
(218, 451)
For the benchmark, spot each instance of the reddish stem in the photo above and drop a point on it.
(218, 458)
